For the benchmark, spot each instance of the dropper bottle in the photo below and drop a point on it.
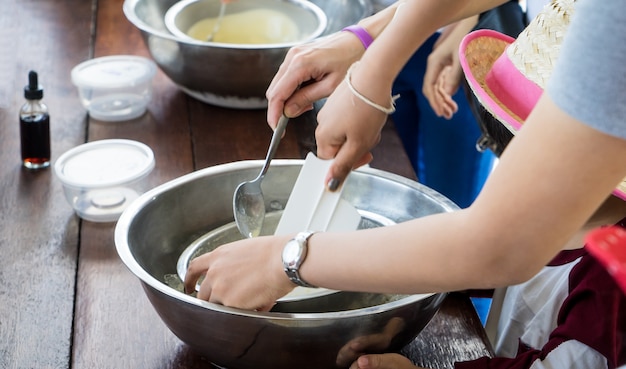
(34, 126)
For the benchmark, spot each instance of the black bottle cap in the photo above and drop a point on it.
(33, 91)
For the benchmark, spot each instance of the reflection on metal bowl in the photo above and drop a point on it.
(234, 76)
(156, 228)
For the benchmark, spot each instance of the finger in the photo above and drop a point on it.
(451, 80)
(449, 105)
(434, 104)
(194, 271)
(282, 86)
(328, 144)
(302, 100)
(205, 290)
(348, 157)
(431, 78)
(455, 77)
(438, 104)
(292, 101)
(297, 85)
(445, 108)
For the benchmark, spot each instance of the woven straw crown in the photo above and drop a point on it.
(537, 48)
(507, 76)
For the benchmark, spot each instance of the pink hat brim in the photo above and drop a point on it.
(493, 45)
(470, 69)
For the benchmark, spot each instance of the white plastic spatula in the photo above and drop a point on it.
(608, 246)
(312, 207)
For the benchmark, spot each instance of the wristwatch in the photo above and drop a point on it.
(293, 256)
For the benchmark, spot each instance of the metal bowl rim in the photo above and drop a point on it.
(126, 219)
(129, 6)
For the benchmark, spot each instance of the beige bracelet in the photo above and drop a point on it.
(369, 102)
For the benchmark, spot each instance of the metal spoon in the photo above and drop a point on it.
(218, 22)
(248, 202)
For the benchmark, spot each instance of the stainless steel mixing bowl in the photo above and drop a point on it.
(228, 75)
(155, 229)
(309, 18)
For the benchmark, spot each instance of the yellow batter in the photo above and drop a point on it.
(256, 26)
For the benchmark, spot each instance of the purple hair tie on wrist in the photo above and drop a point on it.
(361, 33)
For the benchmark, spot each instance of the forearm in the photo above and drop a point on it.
(460, 30)
(446, 12)
(398, 32)
(521, 219)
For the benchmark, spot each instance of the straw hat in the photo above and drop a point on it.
(507, 76)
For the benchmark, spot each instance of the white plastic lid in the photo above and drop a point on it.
(104, 163)
(113, 71)
(101, 178)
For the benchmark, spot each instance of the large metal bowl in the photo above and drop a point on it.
(156, 228)
(228, 75)
(309, 19)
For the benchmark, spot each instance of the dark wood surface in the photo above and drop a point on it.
(66, 300)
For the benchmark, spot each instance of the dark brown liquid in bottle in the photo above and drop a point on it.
(35, 138)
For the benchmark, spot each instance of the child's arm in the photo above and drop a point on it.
(443, 70)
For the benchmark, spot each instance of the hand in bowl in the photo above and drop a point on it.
(246, 274)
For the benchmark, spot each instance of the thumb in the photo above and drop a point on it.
(305, 96)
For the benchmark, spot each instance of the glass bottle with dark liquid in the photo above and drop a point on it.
(34, 126)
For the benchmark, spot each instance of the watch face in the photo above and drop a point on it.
(291, 253)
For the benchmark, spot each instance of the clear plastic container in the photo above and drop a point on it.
(115, 88)
(101, 178)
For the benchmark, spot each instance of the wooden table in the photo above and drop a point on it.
(66, 300)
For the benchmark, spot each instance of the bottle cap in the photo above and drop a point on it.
(33, 90)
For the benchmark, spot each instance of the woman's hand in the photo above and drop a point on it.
(247, 274)
(310, 72)
(347, 130)
(446, 86)
(443, 69)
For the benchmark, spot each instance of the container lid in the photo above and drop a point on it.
(113, 71)
(104, 163)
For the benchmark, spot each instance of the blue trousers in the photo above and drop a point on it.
(442, 152)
